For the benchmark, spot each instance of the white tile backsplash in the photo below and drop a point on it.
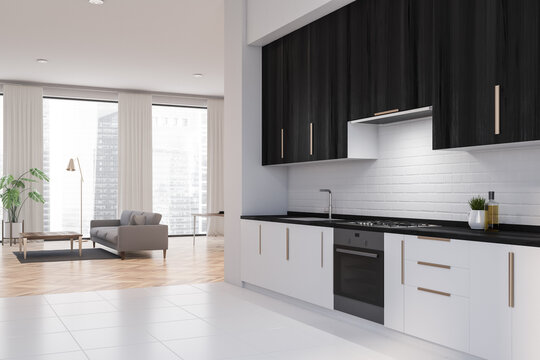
(411, 180)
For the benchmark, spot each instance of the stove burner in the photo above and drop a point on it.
(390, 224)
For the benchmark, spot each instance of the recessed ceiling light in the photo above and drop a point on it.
(42, 61)
(198, 75)
(96, 2)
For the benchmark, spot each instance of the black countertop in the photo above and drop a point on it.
(508, 234)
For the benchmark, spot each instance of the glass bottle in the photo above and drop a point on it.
(492, 213)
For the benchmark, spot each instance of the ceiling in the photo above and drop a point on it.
(152, 45)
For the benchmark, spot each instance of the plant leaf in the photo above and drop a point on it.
(39, 174)
(28, 180)
(37, 197)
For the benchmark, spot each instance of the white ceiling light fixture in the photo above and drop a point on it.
(42, 61)
(96, 2)
(197, 75)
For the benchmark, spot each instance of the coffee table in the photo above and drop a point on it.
(49, 235)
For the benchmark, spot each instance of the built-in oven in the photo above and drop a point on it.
(359, 273)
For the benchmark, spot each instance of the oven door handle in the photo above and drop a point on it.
(357, 253)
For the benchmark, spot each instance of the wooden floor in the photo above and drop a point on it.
(185, 264)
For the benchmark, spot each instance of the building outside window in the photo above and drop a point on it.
(87, 130)
(179, 166)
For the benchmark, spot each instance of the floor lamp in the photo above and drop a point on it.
(71, 167)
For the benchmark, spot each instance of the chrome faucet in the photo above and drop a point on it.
(329, 201)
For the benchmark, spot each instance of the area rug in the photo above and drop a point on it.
(64, 255)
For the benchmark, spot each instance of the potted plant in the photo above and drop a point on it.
(15, 193)
(477, 216)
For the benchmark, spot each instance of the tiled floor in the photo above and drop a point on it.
(207, 321)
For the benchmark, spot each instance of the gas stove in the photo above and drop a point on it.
(391, 224)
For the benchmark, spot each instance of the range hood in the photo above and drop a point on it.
(395, 116)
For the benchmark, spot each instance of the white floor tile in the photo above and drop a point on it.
(174, 290)
(73, 298)
(37, 345)
(181, 329)
(31, 327)
(148, 351)
(23, 300)
(139, 303)
(125, 293)
(83, 308)
(76, 355)
(18, 312)
(209, 348)
(198, 299)
(111, 337)
(159, 315)
(226, 309)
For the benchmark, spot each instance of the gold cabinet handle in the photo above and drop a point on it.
(386, 112)
(434, 291)
(260, 231)
(497, 109)
(282, 152)
(402, 262)
(322, 249)
(310, 139)
(287, 244)
(433, 238)
(434, 265)
(511, 279)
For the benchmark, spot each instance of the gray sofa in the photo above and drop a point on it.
(135, 230)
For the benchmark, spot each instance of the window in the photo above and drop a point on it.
(87, 130)
(179, 166)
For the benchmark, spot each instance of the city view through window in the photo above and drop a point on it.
(179, 166)
(89, 130)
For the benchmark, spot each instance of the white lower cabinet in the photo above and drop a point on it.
(394, 246)
(480, 298)
(490, 315)
(294, 260)
(526, 307)
(437, 317)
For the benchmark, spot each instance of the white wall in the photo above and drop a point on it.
(249, 187)
(411, 180)
(269, 20)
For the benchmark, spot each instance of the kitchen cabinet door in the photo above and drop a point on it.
(394, 247)
(518, 54)
(391, 56)
(526, 310)
(310, 264)
(490, 314)
(296, 92)
(464, 73)
(329, 85)
(263, 254)
(273, 150)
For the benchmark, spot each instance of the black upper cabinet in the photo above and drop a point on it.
(329, 85)
(518, 69)
(390, 56)
(464, 73)
(296, 92)
(272, 103)
(482, 48)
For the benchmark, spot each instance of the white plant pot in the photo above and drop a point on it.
(477, 219)
(17, 229)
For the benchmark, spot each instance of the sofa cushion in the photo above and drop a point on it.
(137, 220)
(106, 233)
(152, 218)
(126, 216)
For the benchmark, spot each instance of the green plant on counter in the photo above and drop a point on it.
(477, 203)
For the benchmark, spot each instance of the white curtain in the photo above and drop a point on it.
(135, 151)
(215, 166)
(23, 142)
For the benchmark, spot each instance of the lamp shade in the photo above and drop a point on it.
(71, 165)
